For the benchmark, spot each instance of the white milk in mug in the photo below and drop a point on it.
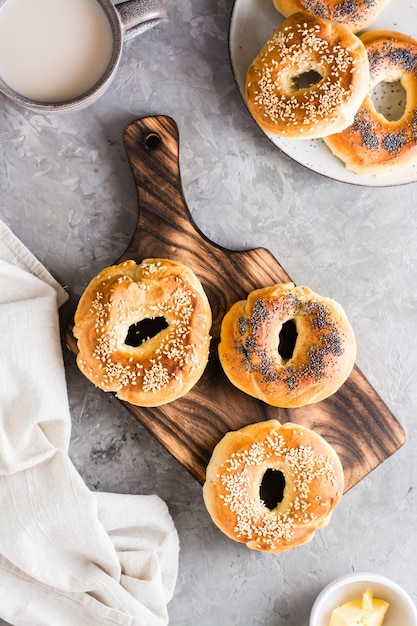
(53, 50)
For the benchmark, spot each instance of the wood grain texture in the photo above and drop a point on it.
(354, 420)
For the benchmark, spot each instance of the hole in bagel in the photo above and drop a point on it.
(287, 339)
(389, 99)
(145, 329)
(307, 79)
(272, 488)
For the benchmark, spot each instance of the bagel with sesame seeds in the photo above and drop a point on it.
(355, 14)
(373, 144)
(271, 485)
(287, 346)
(143, 331)
(308, 80)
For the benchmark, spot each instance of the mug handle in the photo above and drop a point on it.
(137, 16)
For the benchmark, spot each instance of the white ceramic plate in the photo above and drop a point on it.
(252, 22)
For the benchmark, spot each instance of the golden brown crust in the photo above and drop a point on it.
(322, 358)
(305, 43)
(373, 145)
(355, 14)
(313, 485)
(162, 368)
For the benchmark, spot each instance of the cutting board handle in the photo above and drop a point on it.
(164, 220)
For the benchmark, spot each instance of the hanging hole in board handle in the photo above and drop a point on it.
(152, 141)
(138, 16)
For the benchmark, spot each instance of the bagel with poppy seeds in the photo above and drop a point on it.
(151, 368)
(373, 144)
(287, 346)
(355, 14)
(301, 471)
(303, 46)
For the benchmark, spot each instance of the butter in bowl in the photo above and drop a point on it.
(366, 599)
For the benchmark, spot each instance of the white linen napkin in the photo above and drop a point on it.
(68, 556)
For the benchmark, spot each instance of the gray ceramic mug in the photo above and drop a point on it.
(126, 20)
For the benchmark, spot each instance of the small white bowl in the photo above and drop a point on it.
(402, 610)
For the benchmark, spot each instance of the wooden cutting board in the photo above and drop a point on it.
(354, 420)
